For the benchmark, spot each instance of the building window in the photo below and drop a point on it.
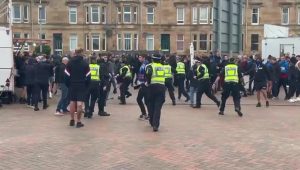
(135, 12)
(285, 16)
(103, 14)
(211, 15)
(87, 14)
(103, 43)
(203, 15)
(42, 36)
(119, 14)
(195, 42)
(119, 42)
(150, 42)
(73, 42)
(211, 42)
(25, 13)
(17, 35)
(127, 42)
(42, 15)
(73, 15)
(195, 15)
(254, 42)
(180, 42)
(255, 16)
(127, 14)
(180, 15)
(136, 42)
(203, 42)
(16, 13)
(96, 42)
(95, 14)
(26, 46)
(150, 15)
(87, 42)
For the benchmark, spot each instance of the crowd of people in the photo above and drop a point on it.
(85, 80)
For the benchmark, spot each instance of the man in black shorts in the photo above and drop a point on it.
(261, 78)
(78, 77)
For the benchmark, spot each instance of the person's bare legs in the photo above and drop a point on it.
(72, 112)
(264, 92)
(258, 98)
(79, 111)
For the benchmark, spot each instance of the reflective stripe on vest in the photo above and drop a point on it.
(180, 68)
(128, 73)
(231, 73)
(168, 71)
(95, 72)
(158, 74)
(206, 74)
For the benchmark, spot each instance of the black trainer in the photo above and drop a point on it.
(103, 114)
(221, 113)
(197, 107)
(258, 105)
(155, 129)
(173, 102)
(45, 106)
(239, 113)
(267, 103)
(72, 122)
(79, 125)
(36, 109)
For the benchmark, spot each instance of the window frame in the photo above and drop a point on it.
(17, 20)
(103, 14)
(119, 42)
(207, 15)
(149, 14)
(147, 43)
(203, 41)
(126, 38)
(39, 20)
(98, 36)
(70, 18)
(70, 41)
(258, 15)
(298, 12)
(87, 42)
(282, 15)
(256, 43)
(127, 13)
(195, 15)
(180, 41)
(25, 20)
(180, 21)
(98, 12)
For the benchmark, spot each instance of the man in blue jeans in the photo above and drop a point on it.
(64, 101)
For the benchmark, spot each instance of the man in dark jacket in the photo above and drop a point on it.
(59, 74)
(30, 81)
(126, 77)
(250, 71)
(275, 77)
(261, 78)
(42, 74)
(293, 79)
(78, 77)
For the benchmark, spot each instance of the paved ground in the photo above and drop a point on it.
(265, 138)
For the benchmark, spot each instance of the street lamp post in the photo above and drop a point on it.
(40, 8)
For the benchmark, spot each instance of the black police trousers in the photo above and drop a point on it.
(102, 98)
(234, 90)
(156, 100)
(181, 89)
(205, 87)
(91, 97)
(169, 85)
(38, 88)
(142, 94)
(124, 89)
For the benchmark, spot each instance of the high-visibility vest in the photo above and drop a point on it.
(128, 73)
(231, 73)
(180, 68)
(206, 74)
(168, 71)
(158, 74)
(95, 72)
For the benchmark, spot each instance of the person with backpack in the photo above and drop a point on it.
(283, 78)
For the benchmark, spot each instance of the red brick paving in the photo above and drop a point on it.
(265, 138)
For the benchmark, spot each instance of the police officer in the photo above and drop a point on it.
(180, 75)
(232, 77)
(155, 74)
(93, 90)
(169, 81)
(204, 85)
(126, 76)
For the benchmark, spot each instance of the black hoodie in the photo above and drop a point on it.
(78, 72)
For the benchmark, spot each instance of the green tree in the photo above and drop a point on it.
(46, 49)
